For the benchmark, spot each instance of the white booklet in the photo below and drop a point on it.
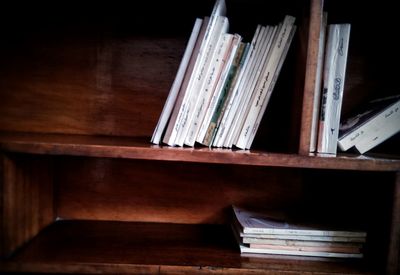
(262, 223)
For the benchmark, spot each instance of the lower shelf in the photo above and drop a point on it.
(127, 247)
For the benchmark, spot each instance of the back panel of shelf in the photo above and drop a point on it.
(106, 69)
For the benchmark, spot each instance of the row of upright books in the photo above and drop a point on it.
(260, 233)
(369, 125)
(223, 84)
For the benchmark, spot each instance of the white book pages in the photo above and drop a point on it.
(245, 89)
(217, 65)
(173, 93)
(337, 44)
(182, 91)
(270, 89)
(236, 39)
(221, 27)
(266, 79)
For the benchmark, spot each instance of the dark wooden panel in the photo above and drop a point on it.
(393, 264)
(27, 199)
(167, 191)
(88, 86)
(115, 247)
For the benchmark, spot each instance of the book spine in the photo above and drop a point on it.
(221, 97)
(173, 93)
(241, 89)
(265, 81)
(217, 64)
(270, 89)
(260, 57)
(229, 116)
(220, 132)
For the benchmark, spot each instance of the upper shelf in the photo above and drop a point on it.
(140, 148)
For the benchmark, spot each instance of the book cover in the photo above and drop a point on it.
(370, 121)
(264, 82)
(333, 87)
(261, 223)
(169, 138)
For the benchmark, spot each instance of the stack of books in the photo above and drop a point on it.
(223, 84)
(262, 234)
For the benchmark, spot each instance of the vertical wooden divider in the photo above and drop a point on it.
(393, 263)
(26, 199)
(311, 73)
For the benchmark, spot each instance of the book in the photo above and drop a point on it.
(176, 85)
(260, 223)
(310, 238)
(371, 125)
(333, 86)
(275, 240)
(321, 248)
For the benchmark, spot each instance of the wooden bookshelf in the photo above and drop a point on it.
(126, 248)
(82, 189)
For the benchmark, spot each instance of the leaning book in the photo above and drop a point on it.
(371, 125)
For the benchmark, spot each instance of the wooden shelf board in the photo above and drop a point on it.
(141, 148)
(126, 247)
